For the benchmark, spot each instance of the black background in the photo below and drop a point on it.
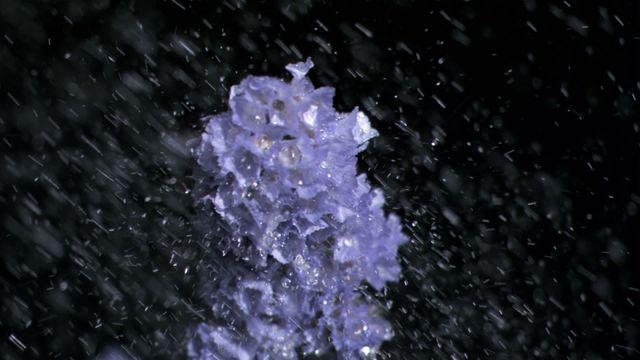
(509, 146)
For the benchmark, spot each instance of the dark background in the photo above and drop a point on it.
(509, 145)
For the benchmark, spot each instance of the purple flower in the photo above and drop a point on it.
(305, 231)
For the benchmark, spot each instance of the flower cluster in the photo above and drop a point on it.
(305, 230)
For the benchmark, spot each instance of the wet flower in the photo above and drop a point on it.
(280, 172)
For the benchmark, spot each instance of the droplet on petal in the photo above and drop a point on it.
(263, 143)
(290, 156)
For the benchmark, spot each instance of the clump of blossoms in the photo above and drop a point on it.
(305, 231)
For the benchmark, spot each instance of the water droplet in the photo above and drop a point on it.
(263, 143)
(290, 156)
